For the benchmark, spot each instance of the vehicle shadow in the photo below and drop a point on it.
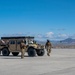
(13, 57)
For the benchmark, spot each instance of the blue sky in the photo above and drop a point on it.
(44, 19)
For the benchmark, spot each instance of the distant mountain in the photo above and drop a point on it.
(67, 43)
(68, 40)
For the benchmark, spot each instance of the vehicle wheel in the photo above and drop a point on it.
(41, 52)
(31, 52)
(0, 52)
(5, 52)
(15, 53)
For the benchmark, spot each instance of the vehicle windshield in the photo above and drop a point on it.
(29, 41)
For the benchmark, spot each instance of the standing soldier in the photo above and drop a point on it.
(22, 46)
(48, 47)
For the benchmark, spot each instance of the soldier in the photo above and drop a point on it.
(48, 47)
(22, 46)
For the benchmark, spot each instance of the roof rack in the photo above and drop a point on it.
(18, 37)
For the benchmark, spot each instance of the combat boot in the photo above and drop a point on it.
(48, 54)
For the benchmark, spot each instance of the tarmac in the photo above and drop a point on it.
(61, 62)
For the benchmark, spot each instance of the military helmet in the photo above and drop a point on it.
(47, 40)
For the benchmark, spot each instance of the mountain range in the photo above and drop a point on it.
(68, 41)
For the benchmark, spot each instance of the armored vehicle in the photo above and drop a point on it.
(12, 45)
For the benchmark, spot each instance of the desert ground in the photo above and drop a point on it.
(61, 62)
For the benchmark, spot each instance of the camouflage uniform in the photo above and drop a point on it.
(22, 46)
(48, 47)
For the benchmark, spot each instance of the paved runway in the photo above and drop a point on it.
(61, 62)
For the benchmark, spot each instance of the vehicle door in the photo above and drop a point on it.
(12, 45)
(18, 45)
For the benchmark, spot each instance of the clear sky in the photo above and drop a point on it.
(44, 19)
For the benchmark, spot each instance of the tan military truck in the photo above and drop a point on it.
(12, 44)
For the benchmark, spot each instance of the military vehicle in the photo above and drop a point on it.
(12, 45)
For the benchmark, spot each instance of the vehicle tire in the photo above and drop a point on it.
(15, 53)
(5, 52)
(31, 52)
(0, 52)
(41, 52)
